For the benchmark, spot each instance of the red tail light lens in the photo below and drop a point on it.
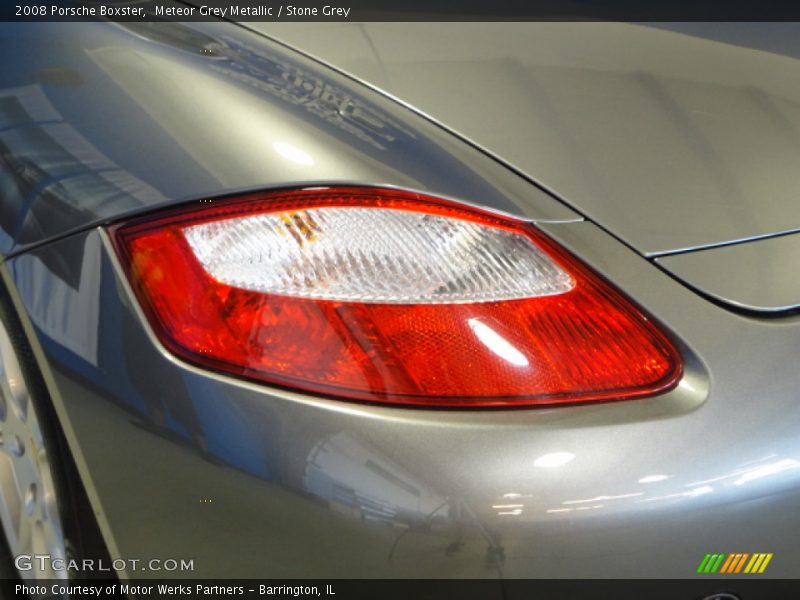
(392, 297)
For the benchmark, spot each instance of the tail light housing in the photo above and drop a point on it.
(387, 296)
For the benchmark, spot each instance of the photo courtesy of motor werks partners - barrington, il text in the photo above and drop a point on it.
(75, 590)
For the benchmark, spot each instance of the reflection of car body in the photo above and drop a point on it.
(670, 168)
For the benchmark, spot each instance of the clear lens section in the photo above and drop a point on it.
(375, 255)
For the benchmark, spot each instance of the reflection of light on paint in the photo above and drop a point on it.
(767, 470)
(603, 498)
(512, 513)
(687, 385)
(292, 153)
(698, 491)
(554, 459)
(714, 479)
(653, 478)
(512, 495)
(507, 505)
(565, 510)
(759, 460)
(743, 471)
(497, 343)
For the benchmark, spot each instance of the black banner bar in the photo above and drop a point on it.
(732, 588)
(395, 10)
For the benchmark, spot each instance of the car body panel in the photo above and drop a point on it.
(308, 487)
(759, 276)
(99, 120)
(669, 140)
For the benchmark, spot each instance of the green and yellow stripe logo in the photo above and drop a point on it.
(738, 562)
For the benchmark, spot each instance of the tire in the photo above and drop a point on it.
(43, 507)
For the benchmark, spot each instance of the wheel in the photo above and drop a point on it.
(43, 506)
(29, 500)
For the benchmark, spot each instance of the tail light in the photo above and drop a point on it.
(387, 296)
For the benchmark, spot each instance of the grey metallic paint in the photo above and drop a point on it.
(673, 137)
(669, 140)
(760, 276)
(104, 120)
(304, 486)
